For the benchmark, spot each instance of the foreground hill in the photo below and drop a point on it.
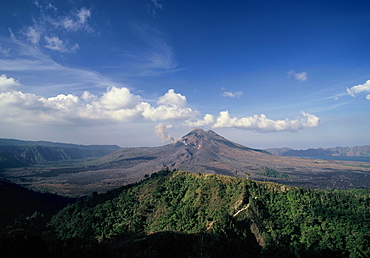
(358, 151)
(183, 214)
(198, 151)
(17, 153)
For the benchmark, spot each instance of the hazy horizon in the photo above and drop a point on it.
(174, 140)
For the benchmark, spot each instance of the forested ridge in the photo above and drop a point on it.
(182, 214)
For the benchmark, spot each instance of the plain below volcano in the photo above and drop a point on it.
(201, 152)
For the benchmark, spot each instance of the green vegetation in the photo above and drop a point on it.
(183, 202)
(180, 214)
(283, 220)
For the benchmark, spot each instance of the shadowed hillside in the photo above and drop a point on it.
(16, 200)
(17, 153)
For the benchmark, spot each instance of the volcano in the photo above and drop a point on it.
(200, 152)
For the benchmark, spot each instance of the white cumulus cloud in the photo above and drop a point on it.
(61, 102)
(353, 91)
(164, 112)
(87, 96)
(118, 98)
(7, 84)
(172, 98)
(119, 105)
(207, 120)
(115, 105)
(261, 123)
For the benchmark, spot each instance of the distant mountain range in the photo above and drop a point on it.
(360, 151)
(17, 153)
(198, 151)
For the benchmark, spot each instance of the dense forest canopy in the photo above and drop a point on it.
(263, 218)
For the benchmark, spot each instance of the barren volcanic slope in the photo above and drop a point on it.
(198, 151)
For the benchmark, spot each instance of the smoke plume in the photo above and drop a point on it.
(160, 130)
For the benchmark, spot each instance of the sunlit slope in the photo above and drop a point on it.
(259, 217)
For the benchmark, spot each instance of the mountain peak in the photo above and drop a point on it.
(199, 138)
(197, 131)
(200, 133)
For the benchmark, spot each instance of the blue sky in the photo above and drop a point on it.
(146, 72)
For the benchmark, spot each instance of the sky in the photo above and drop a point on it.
(141, 73)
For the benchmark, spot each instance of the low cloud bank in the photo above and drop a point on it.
(120, 105)
(258, 123)
(115, 105)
